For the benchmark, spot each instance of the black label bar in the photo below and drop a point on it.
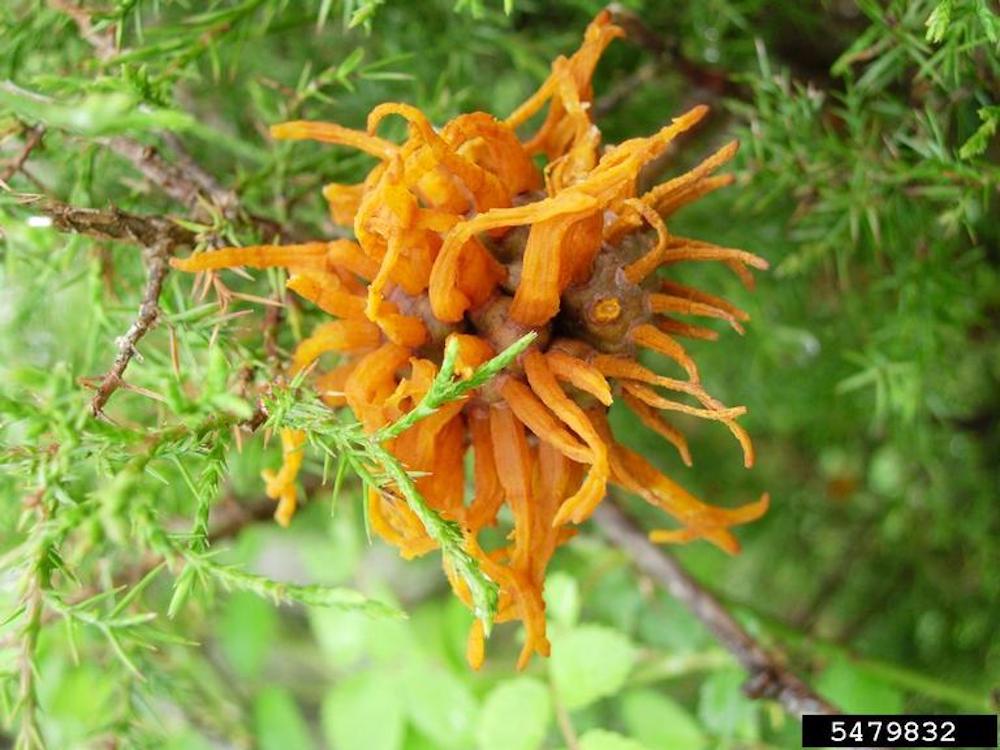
(887, 730)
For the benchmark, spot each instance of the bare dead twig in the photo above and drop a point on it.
(186, 182)
(769, 678)
(158, 264)
(273, 317)
(158, 236)
(32, 141)
(667, 52)
(110, 223)
(232, 517)
(623, 89)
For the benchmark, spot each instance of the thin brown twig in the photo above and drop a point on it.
(186, 182)
(626, 87)
(233, 516)
(110, 223)
(158, 264)
(768, 676)
(668, 53)
(158, 236)
(34, 138)
(564, 721)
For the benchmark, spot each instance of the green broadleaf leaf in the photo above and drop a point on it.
(515, 716)
(246, 632)
(857, 692)
(562, 599)
(440, 705)
(724, 709)
(590, 662)
(347, 637)
(278, 722)
(365, 712)
(601, 739)
(659, 722)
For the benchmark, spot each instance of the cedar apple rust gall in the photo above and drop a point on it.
(460, 235)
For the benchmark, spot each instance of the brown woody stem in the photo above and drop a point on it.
(768, 677)
(158, 265)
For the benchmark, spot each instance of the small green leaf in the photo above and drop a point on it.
(364, 712)
(440, 705)
(278, 722)
(182, 589)
(590, 662)
(515, 716)
(659, 722)
(601, 739)
(723, 706)
(346, 637)
(562, 599)
(857, 692)
(351, 62)
(246, 632)
(364, 13)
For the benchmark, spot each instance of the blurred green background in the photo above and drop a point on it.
(867, 177)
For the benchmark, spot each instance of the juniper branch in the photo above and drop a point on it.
(446, 389)
(159, 237)
(186, 182)
(28, 735)
(378, 467)
(32, 603)
(448, 535)
(234, 517)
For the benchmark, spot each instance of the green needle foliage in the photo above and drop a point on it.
(378, 468)
(140, 573)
